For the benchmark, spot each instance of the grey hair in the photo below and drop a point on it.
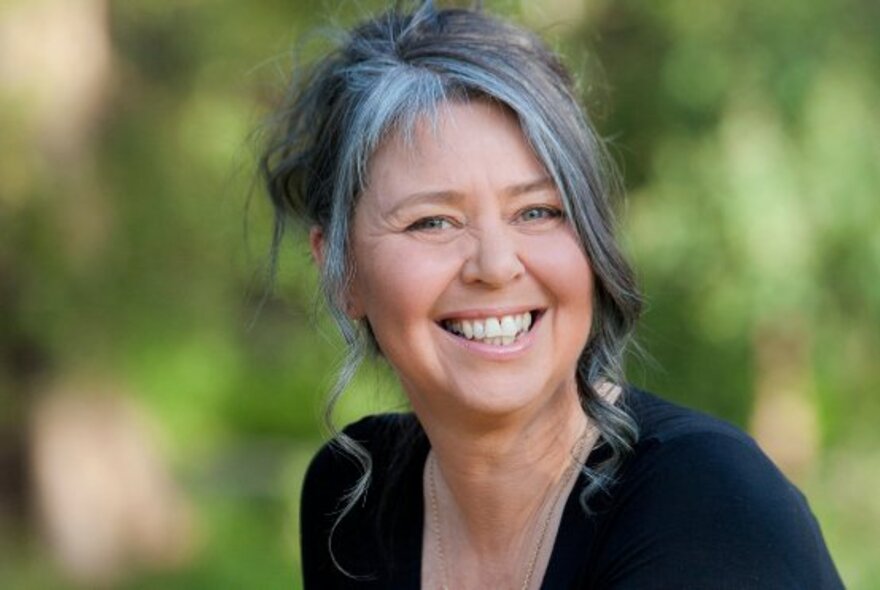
(388, 73)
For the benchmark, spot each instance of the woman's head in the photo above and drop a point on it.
(401, 68)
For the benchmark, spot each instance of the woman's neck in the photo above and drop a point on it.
(493, 483)
(495, 492)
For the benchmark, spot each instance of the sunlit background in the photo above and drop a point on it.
(157, 410)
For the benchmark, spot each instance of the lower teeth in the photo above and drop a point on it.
(497, 341)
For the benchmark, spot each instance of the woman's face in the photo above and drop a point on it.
(474, 284)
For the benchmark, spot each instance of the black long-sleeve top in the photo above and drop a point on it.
(696, 505)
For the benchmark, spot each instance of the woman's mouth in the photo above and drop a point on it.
(495, 330)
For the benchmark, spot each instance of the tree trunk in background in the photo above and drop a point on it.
(784, 419)
(106, 499)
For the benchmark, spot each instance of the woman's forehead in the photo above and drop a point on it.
(437, 145)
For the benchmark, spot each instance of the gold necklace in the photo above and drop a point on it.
(576, 451)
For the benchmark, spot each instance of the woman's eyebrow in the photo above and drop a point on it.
(427, 197)
(452, 197)
(543, 183)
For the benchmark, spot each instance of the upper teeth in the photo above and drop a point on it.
(494, 330)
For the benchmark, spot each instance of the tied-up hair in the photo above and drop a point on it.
(388, 73)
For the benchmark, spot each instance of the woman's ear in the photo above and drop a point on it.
(316, 243)
(353, 307)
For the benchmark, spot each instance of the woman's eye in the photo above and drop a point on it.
(540, 213)
(430, 224)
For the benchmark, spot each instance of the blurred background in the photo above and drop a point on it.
(158, 408)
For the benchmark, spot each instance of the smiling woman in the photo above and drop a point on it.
(457, 201)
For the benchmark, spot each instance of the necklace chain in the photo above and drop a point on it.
(577, 452)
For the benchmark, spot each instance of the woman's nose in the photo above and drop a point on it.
(494, 258)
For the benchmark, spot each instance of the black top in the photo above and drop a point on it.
(696, 505)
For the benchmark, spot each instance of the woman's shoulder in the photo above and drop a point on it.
(338, 468)
(661, 421)
(673, 438)
(700, 491)
(377, 431)
(379, 435)
(385, 456)
(686, 460)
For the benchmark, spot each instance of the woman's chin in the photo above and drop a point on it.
(497, 400)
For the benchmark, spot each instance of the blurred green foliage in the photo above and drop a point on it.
(134, 253)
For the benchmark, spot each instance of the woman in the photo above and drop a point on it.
(457, 200)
